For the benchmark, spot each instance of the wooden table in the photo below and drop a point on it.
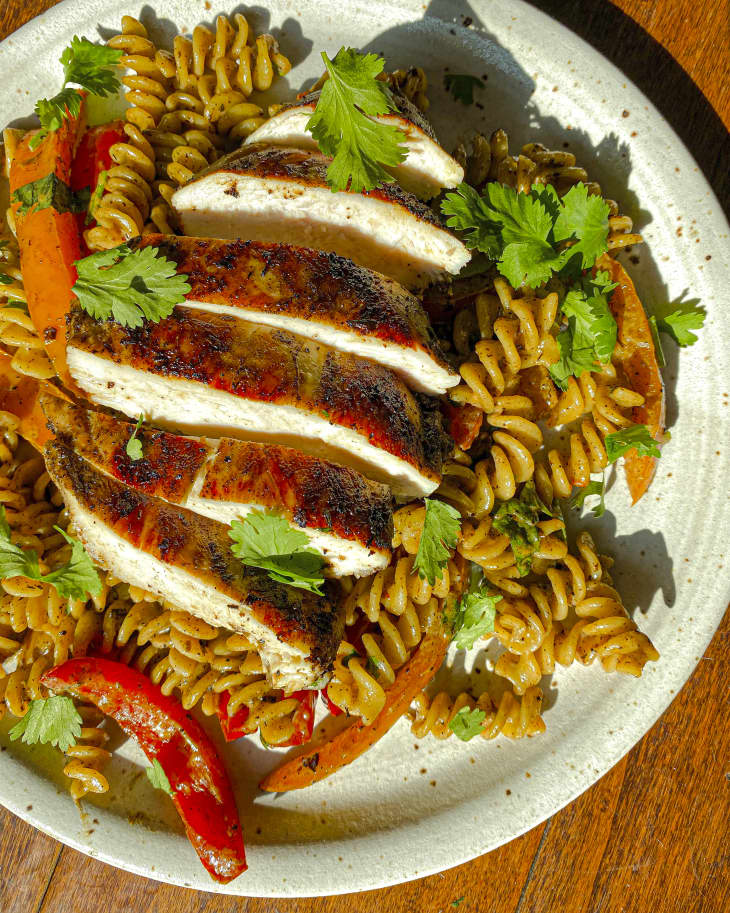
(653, 834)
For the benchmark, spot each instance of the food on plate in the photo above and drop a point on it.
(317, 435)
(271, 193)
(424, 172)
(187, 560)
(322, 296)
(213, 374)
(346, 517)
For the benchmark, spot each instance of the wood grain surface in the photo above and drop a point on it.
(652, 835)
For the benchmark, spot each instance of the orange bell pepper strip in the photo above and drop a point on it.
(321, 761)
(19, 395)
(48, 236)
(636, 356)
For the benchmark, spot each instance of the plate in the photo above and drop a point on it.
(409, 810)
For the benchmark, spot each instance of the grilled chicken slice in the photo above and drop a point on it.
(186, 559)
(270, 193)
(347, 518)
(426, 170)
(318, 295)
(211, 374)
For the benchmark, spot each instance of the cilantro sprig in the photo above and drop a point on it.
(462, 86)
(129, 285)
(343, 125)
(531, 235)
(591, 332)
(467, 724)
(74, 580)
(267, 541)
(680, 324)
(49, 721)
(439, 535)
(85, 65)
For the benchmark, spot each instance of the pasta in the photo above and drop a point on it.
(511, 716)
(186, 108)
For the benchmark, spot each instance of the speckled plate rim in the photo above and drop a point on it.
(373, 840)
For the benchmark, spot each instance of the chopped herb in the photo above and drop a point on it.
(49, 721)
(462, 86)
(475, 614)
(267, 541)
(134, 445)
(467, 723)
(635, 437)
(592, 488)
(49, 192)
(129, 285)
(158, 778)
(5, 279)
(455, 903)
(87, 65)
(96, 196)
(679, 326)
(343, 125)
(439, 534)
(518, 519)
(76, 579)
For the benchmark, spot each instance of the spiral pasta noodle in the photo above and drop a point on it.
(512, 716)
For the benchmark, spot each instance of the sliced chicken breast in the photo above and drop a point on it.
(214, 375)
(270, 193)
(347, 518)
(186, 559)
(318, 295)
(426, 170)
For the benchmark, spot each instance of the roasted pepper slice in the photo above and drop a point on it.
(167, 733)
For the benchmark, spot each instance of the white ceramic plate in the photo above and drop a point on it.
(383, 820)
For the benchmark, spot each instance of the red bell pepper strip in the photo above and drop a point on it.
(167, 733)
(48, 234)
(236, 726)
(233, 727)
(93, 157)
(463, 422)
(329, 703)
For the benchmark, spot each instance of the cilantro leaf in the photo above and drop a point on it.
(267, 540)
(95, 197)
(77, 578)
(50, 721)
(475, 616)
(469, 212)
(592, 488)
(342, 125)
(158, 778)
(46, 192)
(134, 445)
(439, 534)
(518, 519)
(583, 217)
(658, 347)
(591, 334)
(5, 279)
(462, 86)
(679, 325)
(635, 437)
(129, 285)
(14, 561)
(467, 723)
(91, 66)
